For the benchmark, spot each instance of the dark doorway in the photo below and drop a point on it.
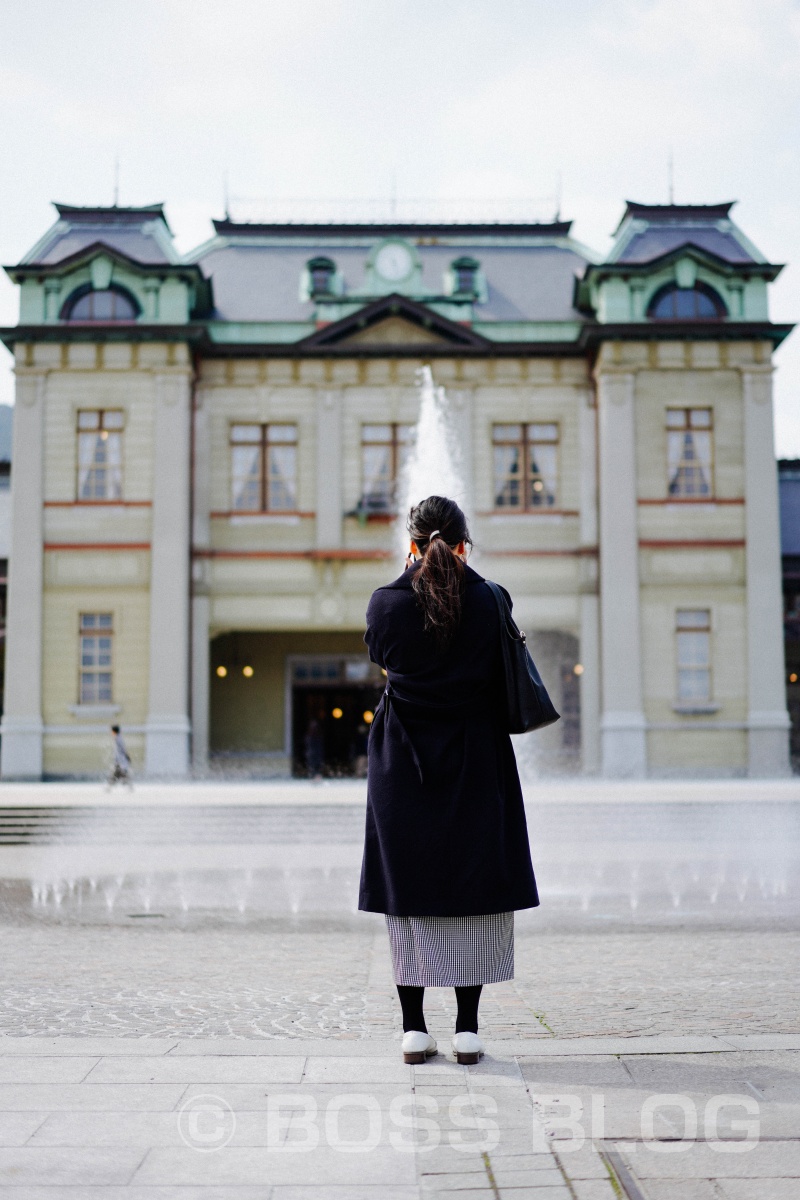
(330, 727)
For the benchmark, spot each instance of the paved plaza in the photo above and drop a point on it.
(192, 1007)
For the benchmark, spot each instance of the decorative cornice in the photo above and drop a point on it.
(594, 333)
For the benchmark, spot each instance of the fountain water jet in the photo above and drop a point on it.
(435, 466)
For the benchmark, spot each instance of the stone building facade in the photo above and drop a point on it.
(205, 455)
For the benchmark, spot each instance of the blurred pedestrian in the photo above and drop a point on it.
(360, 752)
(120, 771)
(314, 746)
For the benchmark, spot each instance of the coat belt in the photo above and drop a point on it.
(393, 703)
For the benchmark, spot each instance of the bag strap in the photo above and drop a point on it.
(506, 618)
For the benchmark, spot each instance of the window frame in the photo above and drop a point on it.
(704, 626)
(98, 669)
(111, 432)
(264, 444)
(525, 442)
(698, 288)
(321, 263)
(696, 497)
(87, 290)
(395, 444)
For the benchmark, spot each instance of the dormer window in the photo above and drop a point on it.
(465, 276)
(698, 303)
(107, 304)
(320, 276)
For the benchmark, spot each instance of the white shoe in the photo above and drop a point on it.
(418, 1046)
(468, 1048)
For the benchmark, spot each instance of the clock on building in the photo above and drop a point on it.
(394, 261)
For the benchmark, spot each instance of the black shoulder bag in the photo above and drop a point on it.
(528, 704)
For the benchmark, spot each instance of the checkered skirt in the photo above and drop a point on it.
(452, 951)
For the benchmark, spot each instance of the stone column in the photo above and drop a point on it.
(167, 733)
(22, 728)
(624, 748)
(589, 612)
(201, 600)
(768, 737)
(329, 469)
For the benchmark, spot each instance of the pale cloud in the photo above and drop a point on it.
(452, 98)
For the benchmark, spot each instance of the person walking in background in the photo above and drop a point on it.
(314, 747)
(121, 764)
(446, 854)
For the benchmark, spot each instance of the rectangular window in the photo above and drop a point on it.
(384, 454)
(100, 454)
(693, 637)
(525, 466)
(264, 468)
(690, 452)
(95, 673)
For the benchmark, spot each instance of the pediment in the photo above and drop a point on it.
(394, 321)
(393, 331)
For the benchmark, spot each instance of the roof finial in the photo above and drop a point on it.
(225, 197)
(558, 197)
(670, 177)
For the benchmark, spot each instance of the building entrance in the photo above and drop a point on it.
(333, 700)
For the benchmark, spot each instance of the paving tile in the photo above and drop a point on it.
(91, 1046)
(59, 1165)
(533, 1192)
(597, 1189)
(197, 1070)
(331, 1047)
(587, 1071)
(113, 1192)
(767, 1160)
(44, 1069)
(512, 1177)
(350, 1070)
(655, 1044)
(349, 1192)
(234, 1165)
(450, 1181)
(584, 1163)
(744, 1189)
(763, 1041)
(57, 1097)
(17, 1127)
(707, 1189)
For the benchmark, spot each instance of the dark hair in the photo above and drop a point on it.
(439, 579)
(115, 728)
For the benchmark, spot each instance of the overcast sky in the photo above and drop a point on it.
(448, 100)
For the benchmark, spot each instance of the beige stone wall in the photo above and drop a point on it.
(676, 575)
(108, 579)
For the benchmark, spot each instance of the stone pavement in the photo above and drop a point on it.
(189, 1017)
(234, 1119)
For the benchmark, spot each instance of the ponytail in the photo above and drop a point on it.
(438, 526)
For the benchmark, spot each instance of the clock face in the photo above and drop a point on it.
(393, 261)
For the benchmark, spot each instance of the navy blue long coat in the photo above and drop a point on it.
(445, 830)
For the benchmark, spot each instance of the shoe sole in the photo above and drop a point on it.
(413, 1058)
(468, 1060)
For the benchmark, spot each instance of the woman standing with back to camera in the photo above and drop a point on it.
(446, 854)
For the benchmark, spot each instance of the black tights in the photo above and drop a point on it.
(467, 998)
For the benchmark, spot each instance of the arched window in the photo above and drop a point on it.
(698, 303)
(108, 304)
(465, 276)
(320, 275)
